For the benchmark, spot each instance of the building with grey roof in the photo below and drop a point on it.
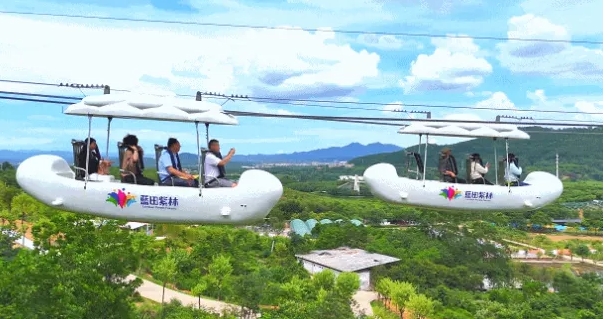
(345, 259)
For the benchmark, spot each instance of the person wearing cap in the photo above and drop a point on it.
(478, 170)
(448, 167)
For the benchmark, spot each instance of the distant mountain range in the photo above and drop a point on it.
(344, 153)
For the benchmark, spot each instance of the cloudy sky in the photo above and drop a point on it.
(297, 64)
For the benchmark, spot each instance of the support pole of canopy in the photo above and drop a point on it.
(507, 172)
(108, 136)
(88, 151)
(200, 182)
(207, 140)
(425, 163)
(496, 160)
(420, 137)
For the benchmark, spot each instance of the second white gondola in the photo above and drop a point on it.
(384, 182)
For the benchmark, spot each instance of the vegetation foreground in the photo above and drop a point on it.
(452, 265)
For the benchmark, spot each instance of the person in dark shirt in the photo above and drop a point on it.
(448, 167)
(94, 156)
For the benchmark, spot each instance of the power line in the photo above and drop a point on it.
(359, 120)
(301, 102)
(246, 26)
(78, 98)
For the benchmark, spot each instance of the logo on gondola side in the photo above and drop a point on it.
(450, 193)
(479, 196)
(121, 198)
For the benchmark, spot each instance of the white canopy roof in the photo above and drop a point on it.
(465, 130)
(148, 107)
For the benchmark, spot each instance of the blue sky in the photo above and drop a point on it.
(150, 57)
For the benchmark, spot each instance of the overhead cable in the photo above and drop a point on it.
(316, 103)
(345, 118)
(287, 28)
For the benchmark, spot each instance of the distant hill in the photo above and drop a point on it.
(343, 153)
(580, 152)
(330, 154)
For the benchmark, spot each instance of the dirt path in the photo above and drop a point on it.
(560, 237)
(585, 260)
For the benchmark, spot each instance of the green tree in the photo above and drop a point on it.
(347, 283)
(165, 270)
(324, 280)
(199, 289)
(583, 251)
(420, 305)
(21, 206)
(401, 292)
(384, 286)
(220, 274)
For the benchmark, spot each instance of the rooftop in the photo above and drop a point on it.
(347, 259)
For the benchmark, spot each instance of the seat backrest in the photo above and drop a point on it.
(204, 151)
(158, 152)
(121, 151)
(468, 170)
(501, 171)
(419, 162)
(77, 146)
(122, 148)
(453, 164)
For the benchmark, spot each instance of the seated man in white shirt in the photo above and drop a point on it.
(214, 166)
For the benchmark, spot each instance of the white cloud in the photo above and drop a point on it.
(558, 60)
(496, 103)
(42, 118)
(28, 143)
(540, 101)
(579, 17)
(456, 64)
(265, 62)
(386, 42)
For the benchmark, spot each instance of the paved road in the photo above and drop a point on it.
(153, 291)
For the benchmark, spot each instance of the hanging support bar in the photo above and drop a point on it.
(507, 172)
(425, 162)
(89, 117)
(108, 136)
(496, 160)
(200, 182)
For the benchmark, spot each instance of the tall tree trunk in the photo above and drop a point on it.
(163, 292)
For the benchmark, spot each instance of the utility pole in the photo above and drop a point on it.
(557, 164)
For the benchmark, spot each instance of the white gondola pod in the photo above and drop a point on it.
(543, 188)
(51, 180)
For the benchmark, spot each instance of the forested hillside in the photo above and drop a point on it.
(439, 276)
(580, 153)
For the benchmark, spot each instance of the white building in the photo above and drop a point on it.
(136, 226)
(345, 259)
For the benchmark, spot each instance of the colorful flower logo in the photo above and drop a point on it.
(121, 198)
(450, 193)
